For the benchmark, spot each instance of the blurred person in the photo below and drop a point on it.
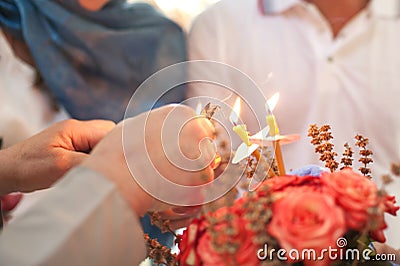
(96, 52)
(333, 62)
(90, 217)
(86, 58)
(24, 109)
(41, 160)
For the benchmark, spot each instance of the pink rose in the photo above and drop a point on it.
(307, 220)
(354, 193)
(386, 204)
(246, 252)
(281, 185)
(189, 241)
(197, 247)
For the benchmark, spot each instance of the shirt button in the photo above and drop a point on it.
(329, 59)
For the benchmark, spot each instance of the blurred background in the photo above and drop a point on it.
(181, 11)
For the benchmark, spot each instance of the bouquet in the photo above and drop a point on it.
(316, 218)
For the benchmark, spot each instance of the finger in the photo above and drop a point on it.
(73, 159)
(196, 137)
(176, 213)
(177, 224)
(86, 134)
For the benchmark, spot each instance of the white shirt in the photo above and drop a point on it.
(82, 220)
(24, 110)
(351, 82)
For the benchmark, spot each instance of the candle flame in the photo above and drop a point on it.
(234, 117)
(272, 102)
(199, 108)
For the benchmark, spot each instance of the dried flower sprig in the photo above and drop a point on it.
(209, 110)
(164, 225)
(365, 154)
(347, 159)
(386, 179)
(321, 138)
(223, 239)
(258, 214)
(395, 169)
(157, 252)
(161, 255)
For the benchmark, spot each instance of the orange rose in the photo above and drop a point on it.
(189, 241)
(197, 247)
(281, 185)
(246, 252)
(307, 220)
(386, 204)
(354, 193)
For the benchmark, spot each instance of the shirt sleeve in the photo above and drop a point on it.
(83, 220)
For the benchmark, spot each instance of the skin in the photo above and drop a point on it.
(339, 12)
(385, 249)
(109, 152)
(54, 161)
(39, 161)
(93, 5)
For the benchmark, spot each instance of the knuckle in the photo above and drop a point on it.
(69, 123)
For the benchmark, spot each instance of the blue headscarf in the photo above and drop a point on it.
(94, 61)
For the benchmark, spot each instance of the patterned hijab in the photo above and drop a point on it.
(93, 61)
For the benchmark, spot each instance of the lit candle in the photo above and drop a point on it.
(246, 148)
(240, 130)
(274, 132)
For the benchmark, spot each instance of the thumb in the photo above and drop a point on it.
(90, 133)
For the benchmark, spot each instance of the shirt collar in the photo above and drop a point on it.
(379, 8)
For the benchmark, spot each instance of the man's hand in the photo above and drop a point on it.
(39, 161)
(109, 159)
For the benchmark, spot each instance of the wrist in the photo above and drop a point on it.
(138, 200)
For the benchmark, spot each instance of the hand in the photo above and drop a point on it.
(108, 157)
(39, 161)
(382, 248)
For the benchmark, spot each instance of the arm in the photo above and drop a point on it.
(83, 220)
(90, 216)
